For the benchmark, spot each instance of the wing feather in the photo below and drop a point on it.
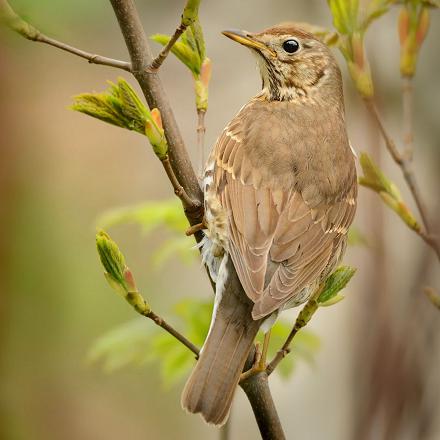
(281, 240)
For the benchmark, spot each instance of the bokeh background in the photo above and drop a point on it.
(376, 373)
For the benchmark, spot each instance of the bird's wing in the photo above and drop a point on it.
(279, 244)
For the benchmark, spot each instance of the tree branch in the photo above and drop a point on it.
(407, 104)
(187, 202)
(405, 165)
(256, 387)
(17, 24)
(258, 392)
(151, 85)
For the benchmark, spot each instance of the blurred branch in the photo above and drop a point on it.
(407, 103)
(17, 24)
(405, 165)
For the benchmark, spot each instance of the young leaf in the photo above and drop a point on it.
(335, 283)
(149, 215)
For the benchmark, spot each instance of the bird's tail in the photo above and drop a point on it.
(211, 386)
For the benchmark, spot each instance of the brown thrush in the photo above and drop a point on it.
(280, 194)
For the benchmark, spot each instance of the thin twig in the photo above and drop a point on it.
(187, 202)
(172, 331)
(157, 62)
(407, 104)
(410, 178)
(17, 24)
(92, 58)
(303, 318)
(201, 130)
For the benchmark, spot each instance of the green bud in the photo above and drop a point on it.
(119, 105)
(111, 258)
(182, 50)
(156, 134)
(335, 283)
(190, 12)
(362, 79)
(201, 85)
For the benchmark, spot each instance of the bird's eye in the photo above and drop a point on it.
(291, 46)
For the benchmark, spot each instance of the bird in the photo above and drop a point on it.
(280, 192)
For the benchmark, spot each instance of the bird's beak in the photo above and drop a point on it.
(247, 39)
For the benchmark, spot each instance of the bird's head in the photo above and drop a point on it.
(293, 63)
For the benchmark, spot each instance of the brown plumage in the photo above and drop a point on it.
(280, 194)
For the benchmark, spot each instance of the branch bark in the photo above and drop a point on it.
(151, 85)
(258, 392)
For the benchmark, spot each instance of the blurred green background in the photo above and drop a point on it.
(60, 170)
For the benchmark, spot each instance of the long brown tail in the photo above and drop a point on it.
(211, 386)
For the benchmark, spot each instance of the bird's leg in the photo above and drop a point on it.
(265, 348)
(196, 228)
(256, 368)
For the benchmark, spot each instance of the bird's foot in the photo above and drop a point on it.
(257, 365)
(196, 228)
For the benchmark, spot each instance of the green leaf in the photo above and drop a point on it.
(140, 342)
(356, 237)
(345, 15)
(119, 105)
(190, 12)
(182, 50)
(181, 246)
(149, 215)
(335, 283)
(125, 345)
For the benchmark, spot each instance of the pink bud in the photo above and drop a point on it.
(403, 25)
(205, 74)
(157, 118)
(129, 279)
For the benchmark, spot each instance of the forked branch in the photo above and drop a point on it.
(17, 24)
(405, 164)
